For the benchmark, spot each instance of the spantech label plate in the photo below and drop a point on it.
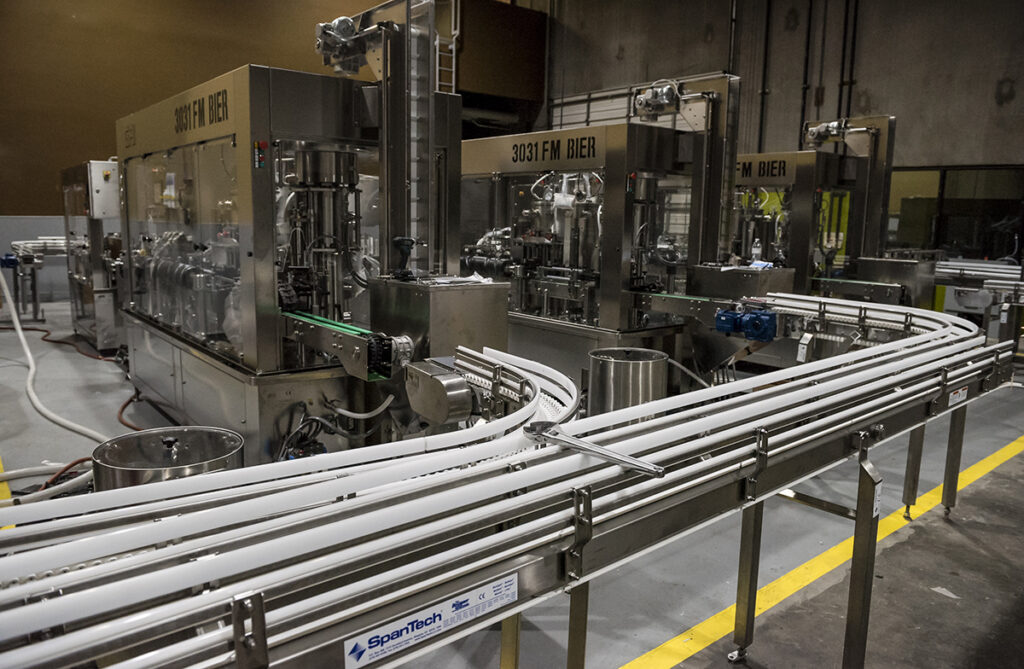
(398, 635)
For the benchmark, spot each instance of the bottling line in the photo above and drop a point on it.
(310, 256)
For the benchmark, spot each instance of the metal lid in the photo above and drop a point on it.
(164, 453)
(628, 354)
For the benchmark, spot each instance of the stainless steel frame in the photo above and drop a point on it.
(196, 388)
(872, 138)
(92, 226)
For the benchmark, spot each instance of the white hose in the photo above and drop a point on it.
(369, 414)
(50, 491)
(27, 472)
(686, 370)
(30, 380)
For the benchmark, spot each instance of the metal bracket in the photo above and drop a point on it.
(49, 632)
(818, 503)
(805, 348)
(496, 380)
(550, 433)
(988, 381)
(933, 406)
(908, 320)
(250, 646)
(737, 656)
(750, 485)
(583, 529)
(862, 437)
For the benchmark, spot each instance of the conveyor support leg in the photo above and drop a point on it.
(579, 602)
(510, 628)
(957, 422)
(746, 582)
(862, 567)
(913, 474)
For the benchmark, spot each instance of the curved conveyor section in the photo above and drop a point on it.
(342, 543)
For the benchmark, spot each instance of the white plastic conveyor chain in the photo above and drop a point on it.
(219, 486)
(977, 269)
(135, 581)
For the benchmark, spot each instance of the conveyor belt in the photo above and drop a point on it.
(980, 270)
(337, 545)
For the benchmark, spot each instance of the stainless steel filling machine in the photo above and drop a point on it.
(264, 210)
(804, 216)
(586, 222)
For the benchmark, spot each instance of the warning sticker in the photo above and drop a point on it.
(957, 396)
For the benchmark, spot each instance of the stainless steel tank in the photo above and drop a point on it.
(624, 377)
(164, 453)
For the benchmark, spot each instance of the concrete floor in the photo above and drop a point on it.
(946, 594)
(86, 391)
(655, 597)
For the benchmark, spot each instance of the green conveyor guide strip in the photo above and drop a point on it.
(327, 323)
(691, 298)
(339, 327)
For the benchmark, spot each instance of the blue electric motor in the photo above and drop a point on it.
(728, 321)
(758, 325)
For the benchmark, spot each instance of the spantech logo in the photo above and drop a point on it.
(357, 651)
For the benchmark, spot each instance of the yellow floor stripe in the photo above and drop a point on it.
(5, 490)
(699, 637)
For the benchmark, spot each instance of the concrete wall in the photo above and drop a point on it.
(71, 68)
(53, 278)
(951, 72)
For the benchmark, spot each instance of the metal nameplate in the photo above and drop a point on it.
(405, 632)
(579, 148)
(766, 169)
(208, 111)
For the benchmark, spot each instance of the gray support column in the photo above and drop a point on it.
(913, 474)
(510, 629)
(579, 602)
(951, 478)
(746, 582)
(862, 567)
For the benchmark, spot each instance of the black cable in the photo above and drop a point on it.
(316, 425)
